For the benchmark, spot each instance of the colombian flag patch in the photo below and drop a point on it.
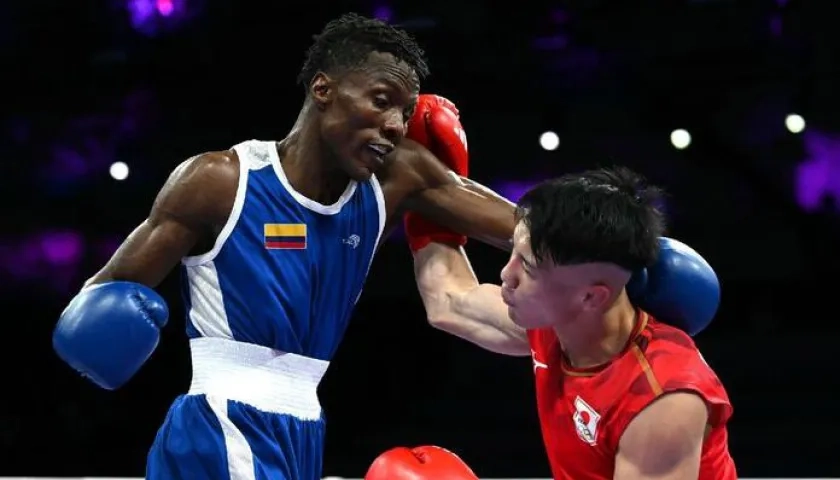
(285, 236)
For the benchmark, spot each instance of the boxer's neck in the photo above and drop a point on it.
(309, 165)
(591, 342)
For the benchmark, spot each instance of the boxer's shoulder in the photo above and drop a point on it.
(669, 358)
(665, 345)
(201, 189)
(405, 173)
(411, 165)
(216, 168)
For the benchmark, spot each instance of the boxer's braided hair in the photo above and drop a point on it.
(347, 41)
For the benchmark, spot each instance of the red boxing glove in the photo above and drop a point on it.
(421, 463)
(436, 126)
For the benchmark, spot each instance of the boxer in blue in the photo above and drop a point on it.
(275, 240)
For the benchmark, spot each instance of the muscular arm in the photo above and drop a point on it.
(109, 330)
(456, 303)
(459, 204)
(664, 441)
(197, 197)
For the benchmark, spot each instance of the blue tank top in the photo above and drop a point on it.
(285, 271)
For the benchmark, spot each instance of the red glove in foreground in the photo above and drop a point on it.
(421, 463)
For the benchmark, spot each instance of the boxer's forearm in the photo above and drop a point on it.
(499, 213)
(484, 191)
(456, 303)
(460, 204)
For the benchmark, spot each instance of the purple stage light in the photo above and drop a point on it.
(52, 259)
(141, 11)
(154, 16)
(165, 7)
(384, 13)
(86, 145)
(68, 163)
(514, 189)
(818, 176)
(62, 248)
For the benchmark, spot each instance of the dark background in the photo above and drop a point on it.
(152, 82)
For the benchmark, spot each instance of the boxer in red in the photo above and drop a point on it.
(620, 395)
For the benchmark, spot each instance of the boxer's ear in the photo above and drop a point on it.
(594, 297)
(321, 89)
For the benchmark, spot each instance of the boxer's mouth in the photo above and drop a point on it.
(380, 150)
(506, 297)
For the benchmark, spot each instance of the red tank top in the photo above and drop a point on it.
(584, 412)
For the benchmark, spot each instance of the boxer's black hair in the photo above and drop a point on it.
(346, 43)
(607, 215)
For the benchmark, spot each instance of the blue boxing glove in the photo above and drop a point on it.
(109, 330)
(680, 289)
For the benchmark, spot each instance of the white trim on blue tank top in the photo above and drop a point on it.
(233, 217)
(308, 202)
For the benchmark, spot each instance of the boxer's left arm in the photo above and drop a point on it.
(664, 441)
(456, 303)
(459, 204)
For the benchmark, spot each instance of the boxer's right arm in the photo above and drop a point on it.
(197, 197)
(456, 303)
(112, 326)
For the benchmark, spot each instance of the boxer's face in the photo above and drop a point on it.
(524, 286)
(364, 112)
(540, 295)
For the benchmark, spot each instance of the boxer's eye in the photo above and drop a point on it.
(526, 266)
(381, 102)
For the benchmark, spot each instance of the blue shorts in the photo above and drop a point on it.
(251, 414)
(209, 438)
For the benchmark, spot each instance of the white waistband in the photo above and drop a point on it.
(270, 380)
